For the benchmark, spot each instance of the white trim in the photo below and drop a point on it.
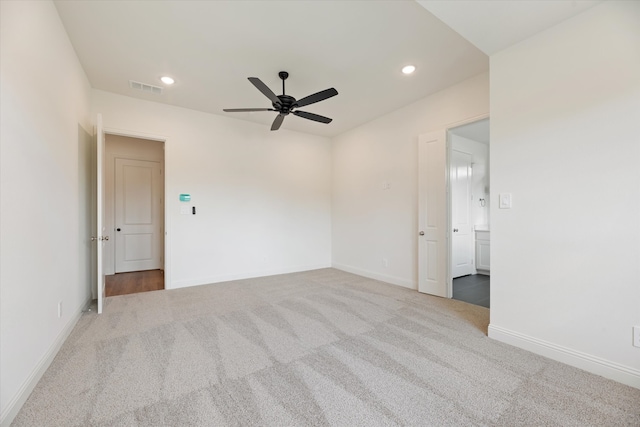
(466, 121)
(449, 252)
(228, 277)
(14, 406)
(449, 146)
(134, 134)
(596, 365)
(405, 283)
(166, 258)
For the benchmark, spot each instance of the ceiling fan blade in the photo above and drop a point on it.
(311, 116)
(241, 110)
(316, 97)
(277, 122)
(264, 89)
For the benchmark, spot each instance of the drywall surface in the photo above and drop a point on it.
(565, 260)
(375, 183)
(262, 198)
(44, 197)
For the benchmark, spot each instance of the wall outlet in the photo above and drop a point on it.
(636, 336)
(385, 262)
(59, 309)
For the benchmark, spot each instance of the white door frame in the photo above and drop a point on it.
(100, 230)
(449, 200)
(167, 235)
(442, 210)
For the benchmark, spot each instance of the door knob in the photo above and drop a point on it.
(117, 229)
(455, 230)
(421, 233)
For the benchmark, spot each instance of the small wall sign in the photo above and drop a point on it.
(185, 197)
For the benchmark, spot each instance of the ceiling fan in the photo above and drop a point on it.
(285, 104)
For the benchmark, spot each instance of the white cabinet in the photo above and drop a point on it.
(483, 264)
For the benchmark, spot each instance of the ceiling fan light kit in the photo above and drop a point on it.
(285, 104)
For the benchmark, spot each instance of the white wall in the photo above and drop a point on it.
(565, 123)
(370, 223)
(262, 198)
(480, 180)
(44, 128)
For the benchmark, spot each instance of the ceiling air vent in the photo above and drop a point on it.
(145, 87)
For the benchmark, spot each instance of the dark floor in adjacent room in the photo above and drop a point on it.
(473, 289)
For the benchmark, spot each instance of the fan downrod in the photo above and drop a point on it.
(283, 75)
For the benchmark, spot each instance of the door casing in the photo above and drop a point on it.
(445, 247)
(165, 235)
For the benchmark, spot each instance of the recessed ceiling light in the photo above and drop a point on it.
(167, 80)
(408, 69)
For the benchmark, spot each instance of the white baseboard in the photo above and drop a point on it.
(245, 275)
(595, 365)
(14, 406)
(377, 276)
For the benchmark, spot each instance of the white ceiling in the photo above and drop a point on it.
(211, 47)
(493, 25)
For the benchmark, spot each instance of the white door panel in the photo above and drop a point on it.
(460, 181)
(432, 214)
(100, 236)
(137, 215)
(138, 247)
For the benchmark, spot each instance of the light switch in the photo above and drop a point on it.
(504, 201)
(185, 210)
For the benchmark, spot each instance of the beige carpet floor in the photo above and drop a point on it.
(309, 349)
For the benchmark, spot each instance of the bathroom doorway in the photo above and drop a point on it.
(469, 216)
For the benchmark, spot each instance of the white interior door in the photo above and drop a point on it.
(460, 182)
(100, 236)
(432, 214)
(138, 215)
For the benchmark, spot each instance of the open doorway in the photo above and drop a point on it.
(134, 214)
(469, 231)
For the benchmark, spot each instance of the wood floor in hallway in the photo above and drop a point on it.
(134, 282)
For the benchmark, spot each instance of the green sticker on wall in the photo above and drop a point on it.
(185, 197)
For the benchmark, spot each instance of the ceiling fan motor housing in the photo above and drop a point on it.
(286, 104)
